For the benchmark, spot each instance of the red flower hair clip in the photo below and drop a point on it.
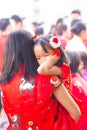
(55, 42)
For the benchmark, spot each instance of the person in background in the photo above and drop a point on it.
(83, 65)
(16, 22)
(64, 34)
(59, 22)
(53, 30)
(5, 28)
(35, 25)
(79, 31)
(75, 14)
(79, 87)
(39, 31)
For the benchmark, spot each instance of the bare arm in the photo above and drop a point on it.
(67, 102)
(48, 67)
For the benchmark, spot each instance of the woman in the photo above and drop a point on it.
(27, 99)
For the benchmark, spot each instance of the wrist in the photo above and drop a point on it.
(55, 81)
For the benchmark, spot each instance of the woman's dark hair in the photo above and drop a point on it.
(78, 27)
(44, 42)
(74, 61)
(18, 51)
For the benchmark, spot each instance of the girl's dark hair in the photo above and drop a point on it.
(18, 51)
(44, 42)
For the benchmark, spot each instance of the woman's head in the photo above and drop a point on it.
(45, 46)
(18, 51)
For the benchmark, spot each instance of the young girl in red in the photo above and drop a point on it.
(52, 61)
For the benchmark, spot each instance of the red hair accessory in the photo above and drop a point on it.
(34, 37)
(55, 42)
(57, 52)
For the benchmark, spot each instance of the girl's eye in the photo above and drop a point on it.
(38, 58)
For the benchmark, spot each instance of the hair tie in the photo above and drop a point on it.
(34, 38)
(57, 52)
(55, 42)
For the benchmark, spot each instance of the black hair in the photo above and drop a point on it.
(18, 51)
(4, 22)
(74, 21)
(39, 31)
(78, 27)
(16, 18)
(44, 42)
(59, 20)
(76, 11)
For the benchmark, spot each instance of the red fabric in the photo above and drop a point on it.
(2, 44)
(65, 122)
(37, 105)
(79, 90)
(57, 52)
(66, 77)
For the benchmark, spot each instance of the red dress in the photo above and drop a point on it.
(79, 89)
(32, 105)
(65, 122)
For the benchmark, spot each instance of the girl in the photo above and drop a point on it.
(48, 49)
(52, 61)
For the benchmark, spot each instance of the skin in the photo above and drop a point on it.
(61, 93)
(47, 67)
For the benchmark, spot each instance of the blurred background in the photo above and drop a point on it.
(42, 10)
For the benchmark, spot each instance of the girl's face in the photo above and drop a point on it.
(40, 54)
